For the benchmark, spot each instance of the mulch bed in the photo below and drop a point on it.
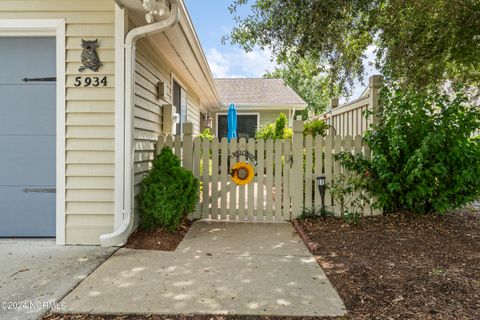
(402, 267)
(158, 240)
(176, 317)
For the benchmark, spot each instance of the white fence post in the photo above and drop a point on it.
(296, 174)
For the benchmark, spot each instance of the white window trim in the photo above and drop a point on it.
(174, 78)
(238, 114)
(49, 28)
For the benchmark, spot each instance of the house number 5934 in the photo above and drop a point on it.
(90, 81)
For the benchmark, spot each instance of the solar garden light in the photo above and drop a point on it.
(321, 188)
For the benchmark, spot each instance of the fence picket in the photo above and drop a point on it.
(338, 141)
(328, 171)
(357, 149)
(232, 212)
(308, 172)
(260, 178)
(242, 144)
(178, 146)
(214, 187)
(169, 141)
(251, 185)
(287, 161)
(196, 171)
(318, 167)
(269, 179)
(278, 179)
(187, 147)
(347, 147)
(206, 178)
(160, 144)
(223, 178)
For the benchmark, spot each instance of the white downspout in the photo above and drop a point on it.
(120, 236)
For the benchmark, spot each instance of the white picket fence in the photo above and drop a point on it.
(285, 173)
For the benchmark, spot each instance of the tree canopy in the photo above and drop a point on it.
(303, 77)
(419, 43)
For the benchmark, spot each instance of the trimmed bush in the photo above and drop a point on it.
(277, 130)
(169, 193)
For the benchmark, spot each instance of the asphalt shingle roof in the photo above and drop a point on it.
(257, 91)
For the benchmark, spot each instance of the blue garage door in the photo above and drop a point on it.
(27, 137)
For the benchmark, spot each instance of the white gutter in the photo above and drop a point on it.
(120, 236)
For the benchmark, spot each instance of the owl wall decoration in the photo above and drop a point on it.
(89, 56)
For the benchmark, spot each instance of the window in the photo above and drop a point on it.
(180, 103)
(246, 125)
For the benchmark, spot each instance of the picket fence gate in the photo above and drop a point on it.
(285, 173)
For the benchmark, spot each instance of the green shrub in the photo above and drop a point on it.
(206, 134)
(280, 126)
(345, 189)
(169, 193)
(423, 159)
(277, 130)
(266, 132)
(315, 127)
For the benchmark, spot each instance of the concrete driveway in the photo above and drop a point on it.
(36, 274)
(219, 268)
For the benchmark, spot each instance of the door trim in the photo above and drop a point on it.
(49, 28)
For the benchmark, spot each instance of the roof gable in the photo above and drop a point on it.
(257, 92)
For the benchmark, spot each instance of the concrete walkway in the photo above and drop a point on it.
(35, 274)
(219, 268)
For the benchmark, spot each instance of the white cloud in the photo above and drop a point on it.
(235, 63)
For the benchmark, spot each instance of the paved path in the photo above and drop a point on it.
(38, 273)
(219, 268)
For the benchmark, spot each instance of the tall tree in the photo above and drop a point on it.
(308, 82)
(419, 43)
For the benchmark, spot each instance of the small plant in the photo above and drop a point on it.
(169, 193)
(314, 213)
(352, 218)
(280, 126)
(277, 130)
(206, 134)
(346, 190)
(315, 127)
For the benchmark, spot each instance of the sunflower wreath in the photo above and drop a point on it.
(242, 173)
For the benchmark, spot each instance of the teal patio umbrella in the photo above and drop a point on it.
(231, 123)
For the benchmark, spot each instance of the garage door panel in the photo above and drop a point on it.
(27, 137)
(28, 57)
(20, 211)
(27, 160)
(27, 110)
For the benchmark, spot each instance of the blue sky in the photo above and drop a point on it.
(212, 20)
